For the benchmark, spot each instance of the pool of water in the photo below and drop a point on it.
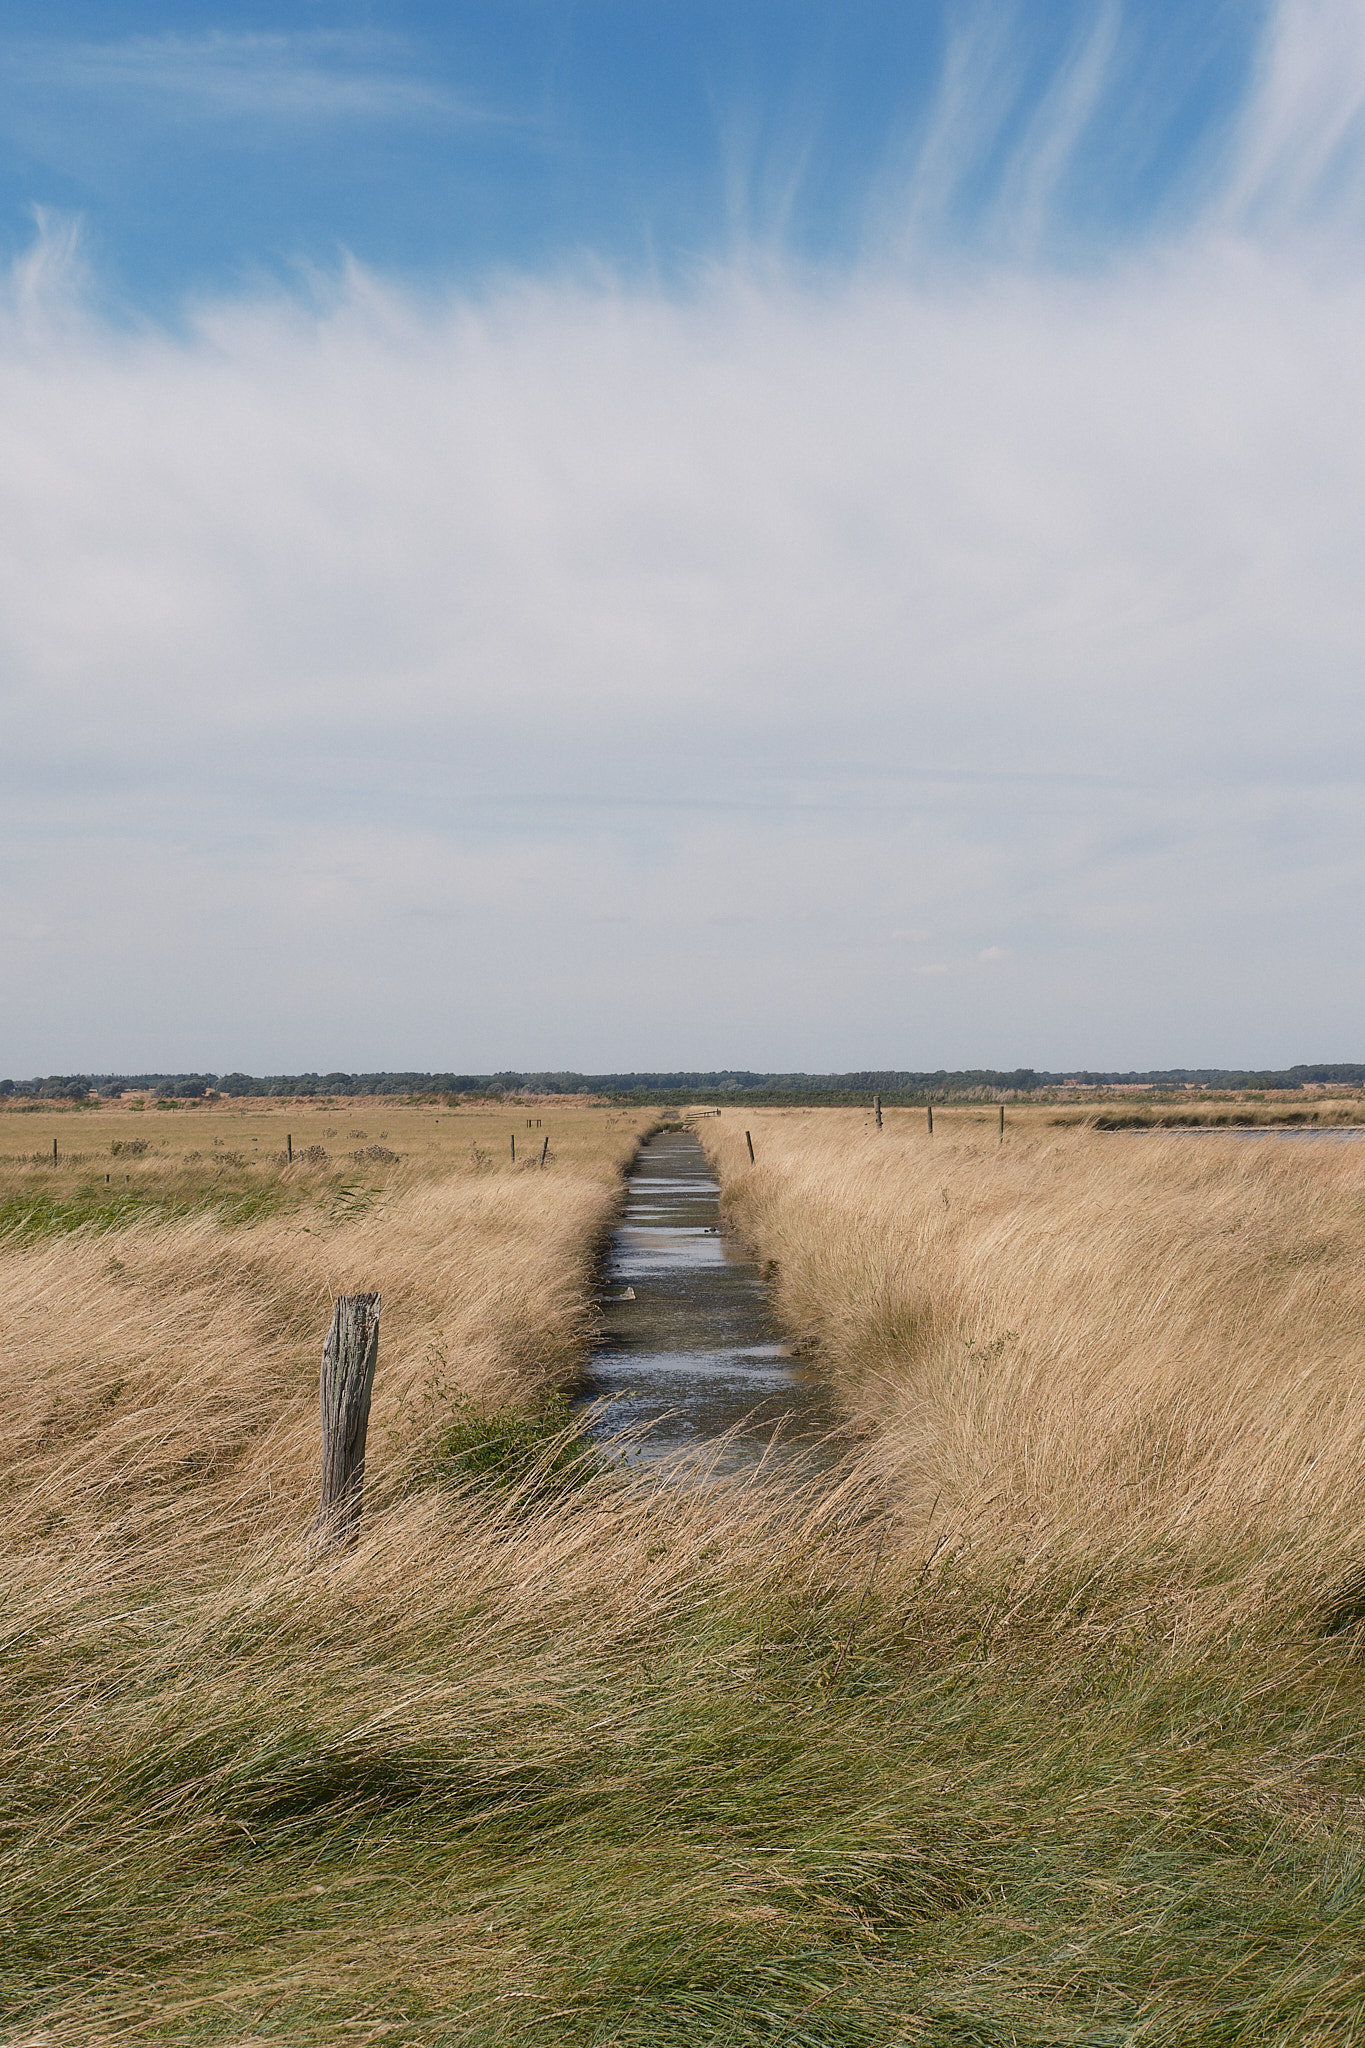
(689, 1345)
(1336, 1131)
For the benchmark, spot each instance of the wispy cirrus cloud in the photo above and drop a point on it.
(1038, 166)
(1299, 154)
(996, 154)
(1012, 162)
(235, 75)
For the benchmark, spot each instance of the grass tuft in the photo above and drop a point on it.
(531, 1454)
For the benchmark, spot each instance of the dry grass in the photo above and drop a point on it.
(557, 1754)
(255, 1791)
(136, 1135)
(171, 1346)
(1085, 1346)
(290, 1797)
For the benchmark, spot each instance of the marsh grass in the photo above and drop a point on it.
(721, 1760)
(1104, 1357)
(590, 1770)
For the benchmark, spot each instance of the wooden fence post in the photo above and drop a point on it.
(545, 1148)
(930, 1107)
(877, 1106)
(514, 1148)
(348, 1361)
(54, 1151)
(289, 1146)
(750, 1143)
(1001, 1139)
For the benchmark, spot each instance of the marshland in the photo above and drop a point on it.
(1032, 1715)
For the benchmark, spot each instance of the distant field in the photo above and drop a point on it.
(1039, 1722)
(431, 1138)
(117, 1162)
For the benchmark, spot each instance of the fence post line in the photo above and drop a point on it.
(348, 1362)
(750, 1143)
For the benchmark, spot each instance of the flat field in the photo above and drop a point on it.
(1038, 1720)
(203, 1150)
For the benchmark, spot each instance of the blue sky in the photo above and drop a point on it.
(204, 147)
(755, 534)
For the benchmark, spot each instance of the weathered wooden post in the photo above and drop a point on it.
(1001, 1138)
(545, 1148)
(750, 1143)
(348, 1361)
(930, 1107)
(877, 1106)
(514, 1148)
(54, 1151)
(289, 1146)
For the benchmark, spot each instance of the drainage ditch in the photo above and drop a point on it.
(689, 1346)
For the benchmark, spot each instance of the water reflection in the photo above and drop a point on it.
(694, 1351)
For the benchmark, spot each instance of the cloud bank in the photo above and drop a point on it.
(933, 665)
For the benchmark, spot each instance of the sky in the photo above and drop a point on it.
(621, 534)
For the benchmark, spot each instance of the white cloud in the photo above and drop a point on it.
(363, 657)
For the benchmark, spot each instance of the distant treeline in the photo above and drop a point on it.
(733, 1085)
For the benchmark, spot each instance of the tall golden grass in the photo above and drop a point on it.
(239, 1776)
(1081, 1344)
(185, 1353)
(559, 1753)
(168, 1354)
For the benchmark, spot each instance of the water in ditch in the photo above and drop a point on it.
(689, 1347)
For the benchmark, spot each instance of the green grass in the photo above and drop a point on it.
(28, 1214)
(309, 1817)
(531, 1455)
